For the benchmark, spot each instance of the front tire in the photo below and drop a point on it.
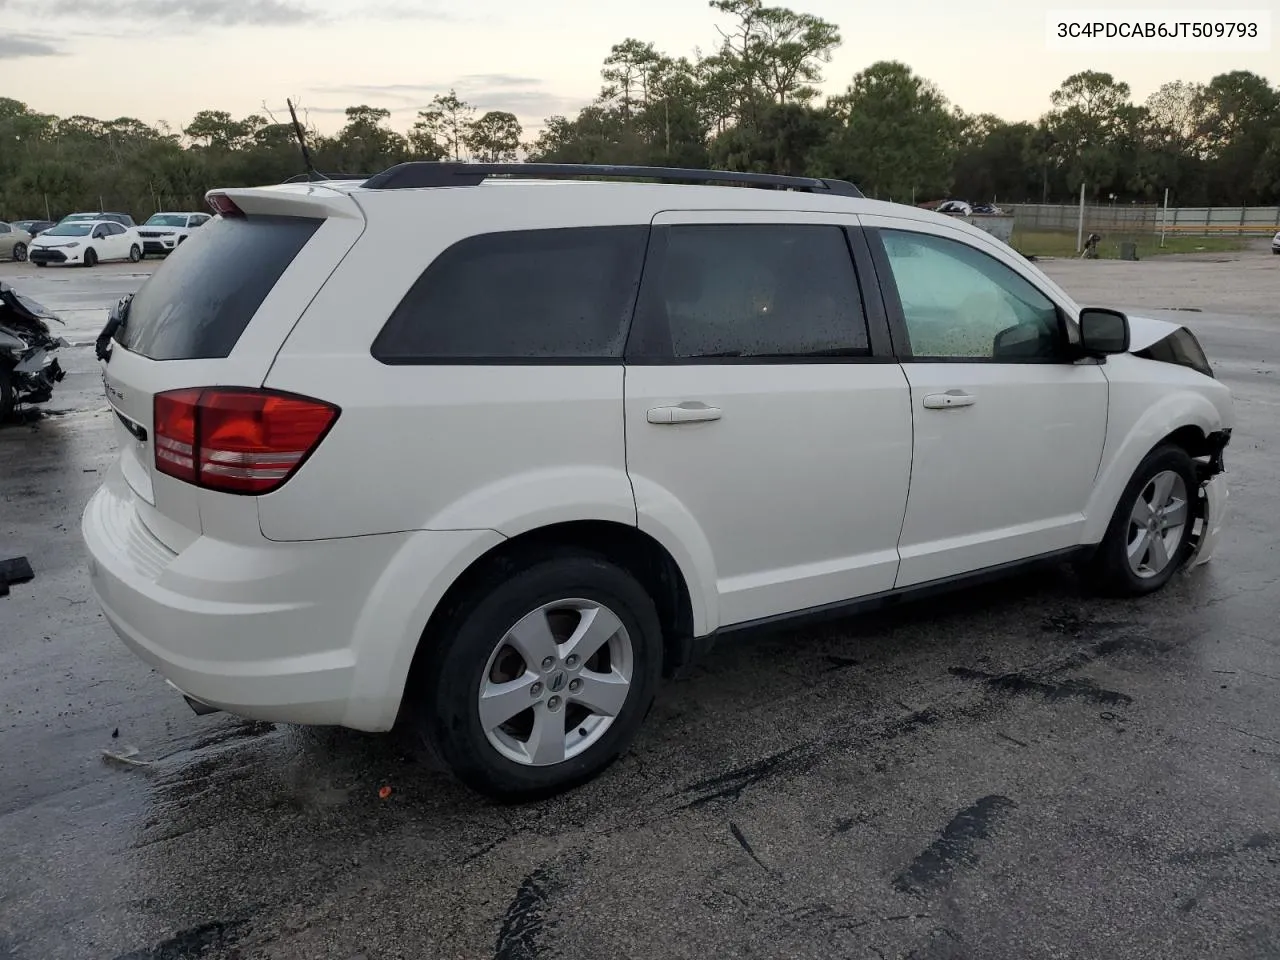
(91, 257)
(542, 678)
(20, 252)
(1149, 537)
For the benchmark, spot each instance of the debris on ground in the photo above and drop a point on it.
(384, 793)
(14, 570)
(125, 757)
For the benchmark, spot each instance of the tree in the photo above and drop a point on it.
(894, 134)
(1092, 113)
(494, 138)
(627, 72)
(792, 48)
(441, 131)
(364, 145)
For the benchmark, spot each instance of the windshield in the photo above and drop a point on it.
(167, 220)
(69, 230)
(71, 217)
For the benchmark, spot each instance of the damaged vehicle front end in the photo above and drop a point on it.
(28, 367)
(1161, 341)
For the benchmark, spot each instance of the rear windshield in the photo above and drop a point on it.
(196, 305)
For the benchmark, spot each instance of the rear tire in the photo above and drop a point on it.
(20, 252)
(1149, 537)
(135, 253)
(90, 257)
(583, 712)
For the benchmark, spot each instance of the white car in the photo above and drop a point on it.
(493, 455)
(86, 243)
(1275, 243)
(163, 232)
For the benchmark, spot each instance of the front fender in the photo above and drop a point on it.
(1141, 414)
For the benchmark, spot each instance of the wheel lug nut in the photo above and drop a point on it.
(575, 686)
(553, 703)
(572, 661)
(548, 663)
(536, 690)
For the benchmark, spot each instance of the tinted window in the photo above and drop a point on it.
(4, 228)
(535, 294)
(753, 290)
(960, 303)
(197, 304)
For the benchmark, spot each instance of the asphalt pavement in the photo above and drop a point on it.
(1020, 771)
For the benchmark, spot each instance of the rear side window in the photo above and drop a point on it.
(196, 306)
(751, 292)
(525, 295)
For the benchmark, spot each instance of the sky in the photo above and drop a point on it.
(163, 60)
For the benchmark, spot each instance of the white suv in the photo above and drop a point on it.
(492, 454)
(164, 232)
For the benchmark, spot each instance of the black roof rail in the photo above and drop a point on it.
(423, 173)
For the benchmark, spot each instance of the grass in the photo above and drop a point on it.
(1062, 243)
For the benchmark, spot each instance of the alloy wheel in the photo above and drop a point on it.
(1158, 524)
(555, 682)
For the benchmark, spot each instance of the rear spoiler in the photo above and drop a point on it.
(312, 200)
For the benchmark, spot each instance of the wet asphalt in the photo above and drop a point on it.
(1019, 771)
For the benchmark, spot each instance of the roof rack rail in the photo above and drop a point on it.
(423, 173)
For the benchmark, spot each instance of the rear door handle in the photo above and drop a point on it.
(683, 413)
(952, 398)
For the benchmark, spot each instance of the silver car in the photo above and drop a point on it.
(14, 242)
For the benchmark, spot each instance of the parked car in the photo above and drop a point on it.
(163, 232)
(14, 242)
(33, 227)
(121, 218)
(1275, 243)
(493, 458)
(86, 243)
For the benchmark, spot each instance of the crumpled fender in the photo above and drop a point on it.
(1124, 451)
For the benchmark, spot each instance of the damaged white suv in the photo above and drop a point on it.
(489, 449)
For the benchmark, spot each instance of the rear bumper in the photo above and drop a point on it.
(312, 633)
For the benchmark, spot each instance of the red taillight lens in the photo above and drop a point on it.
(224, 205)
(237, 440)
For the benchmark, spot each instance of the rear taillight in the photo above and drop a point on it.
(237, 439)
(224, 205)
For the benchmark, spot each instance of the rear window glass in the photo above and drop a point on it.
(555, 294)
(198, 303)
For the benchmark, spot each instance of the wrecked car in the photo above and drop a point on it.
(28, 368)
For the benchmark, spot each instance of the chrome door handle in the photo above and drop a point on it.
(952, 398)
(683, 413)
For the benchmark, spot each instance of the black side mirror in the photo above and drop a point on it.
(1103, 331)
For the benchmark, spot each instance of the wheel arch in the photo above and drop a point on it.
(1188, 420)
(635, 551)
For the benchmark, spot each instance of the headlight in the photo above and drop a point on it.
(76, 244)
(1180, 347)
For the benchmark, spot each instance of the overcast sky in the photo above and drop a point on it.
(162, 60)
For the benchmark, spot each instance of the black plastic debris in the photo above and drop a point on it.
(15, 570)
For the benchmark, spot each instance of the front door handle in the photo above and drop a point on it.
(952, 398)
(683, 413)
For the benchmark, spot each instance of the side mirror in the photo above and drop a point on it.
(1103, 331)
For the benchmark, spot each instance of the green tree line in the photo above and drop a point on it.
(752, 104)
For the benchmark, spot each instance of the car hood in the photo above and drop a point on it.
(1144, 331)
(44, 240)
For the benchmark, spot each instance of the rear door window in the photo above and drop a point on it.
(762, 292)
(527, 295)
(200, 302)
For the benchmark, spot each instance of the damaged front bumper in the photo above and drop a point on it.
(1214, 498)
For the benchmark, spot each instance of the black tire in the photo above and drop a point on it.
(91, 257)
(445, 708)
(6, 393)
(1108, 570)
(20, 252)
(39, 264)
(135, 253)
